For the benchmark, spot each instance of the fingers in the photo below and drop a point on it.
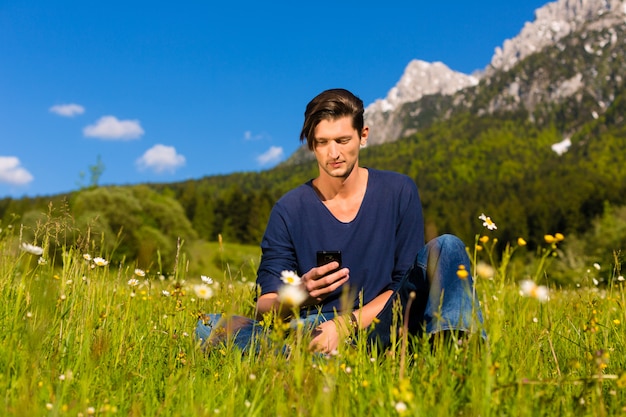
(315, 344)
(325, 269)
(319, 347)
(327, 287)
(325, 338)
(317, 283)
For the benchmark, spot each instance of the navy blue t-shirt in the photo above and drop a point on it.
(378, 246)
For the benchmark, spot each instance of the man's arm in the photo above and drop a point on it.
(269, 302)
(366, 314)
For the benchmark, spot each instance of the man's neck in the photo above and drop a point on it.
(341, 187)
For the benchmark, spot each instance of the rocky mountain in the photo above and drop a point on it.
(570, 56)
(420, 79)
(554, 21)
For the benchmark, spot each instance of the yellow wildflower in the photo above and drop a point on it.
(462, 272)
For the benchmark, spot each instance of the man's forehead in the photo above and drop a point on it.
(339, 127)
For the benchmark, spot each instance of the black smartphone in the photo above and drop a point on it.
(327, 256)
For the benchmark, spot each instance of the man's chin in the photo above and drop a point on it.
(339, 173)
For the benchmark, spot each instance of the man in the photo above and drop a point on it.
(374, 218)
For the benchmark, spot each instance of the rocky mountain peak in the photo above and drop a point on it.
(420, 78)
(552, 22)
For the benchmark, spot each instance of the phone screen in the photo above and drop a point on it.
(327, 256)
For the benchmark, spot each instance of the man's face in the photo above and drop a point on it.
(336, 146)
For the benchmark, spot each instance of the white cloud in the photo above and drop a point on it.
(67, 110)
(272, 155)
(248, 135)
(109, 127)
(12, 173)
(161, 158)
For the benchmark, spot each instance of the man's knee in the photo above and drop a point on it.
(446, 243)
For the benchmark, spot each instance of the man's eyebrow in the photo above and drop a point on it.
(337, 138)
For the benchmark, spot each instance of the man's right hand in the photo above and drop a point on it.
(315, 282)
(319, 285)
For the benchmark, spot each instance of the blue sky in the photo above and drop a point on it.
(164, 91)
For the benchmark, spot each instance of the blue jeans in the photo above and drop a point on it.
(246, 333)
(442, 301)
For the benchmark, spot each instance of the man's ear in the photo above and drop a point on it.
(364, 134)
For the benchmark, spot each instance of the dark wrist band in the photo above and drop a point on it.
(354, 322)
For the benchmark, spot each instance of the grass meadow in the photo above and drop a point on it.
(84, 336)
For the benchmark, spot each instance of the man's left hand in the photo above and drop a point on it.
(328, 335)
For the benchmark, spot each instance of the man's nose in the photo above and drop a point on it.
(333, 150)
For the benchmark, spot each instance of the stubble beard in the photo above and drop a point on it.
(343, 172)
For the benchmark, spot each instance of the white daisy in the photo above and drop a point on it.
(292, 295)
(290, 277)
(487, 222)
(528, 288)
(100, 261)
(203, 291)
(32, 249)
